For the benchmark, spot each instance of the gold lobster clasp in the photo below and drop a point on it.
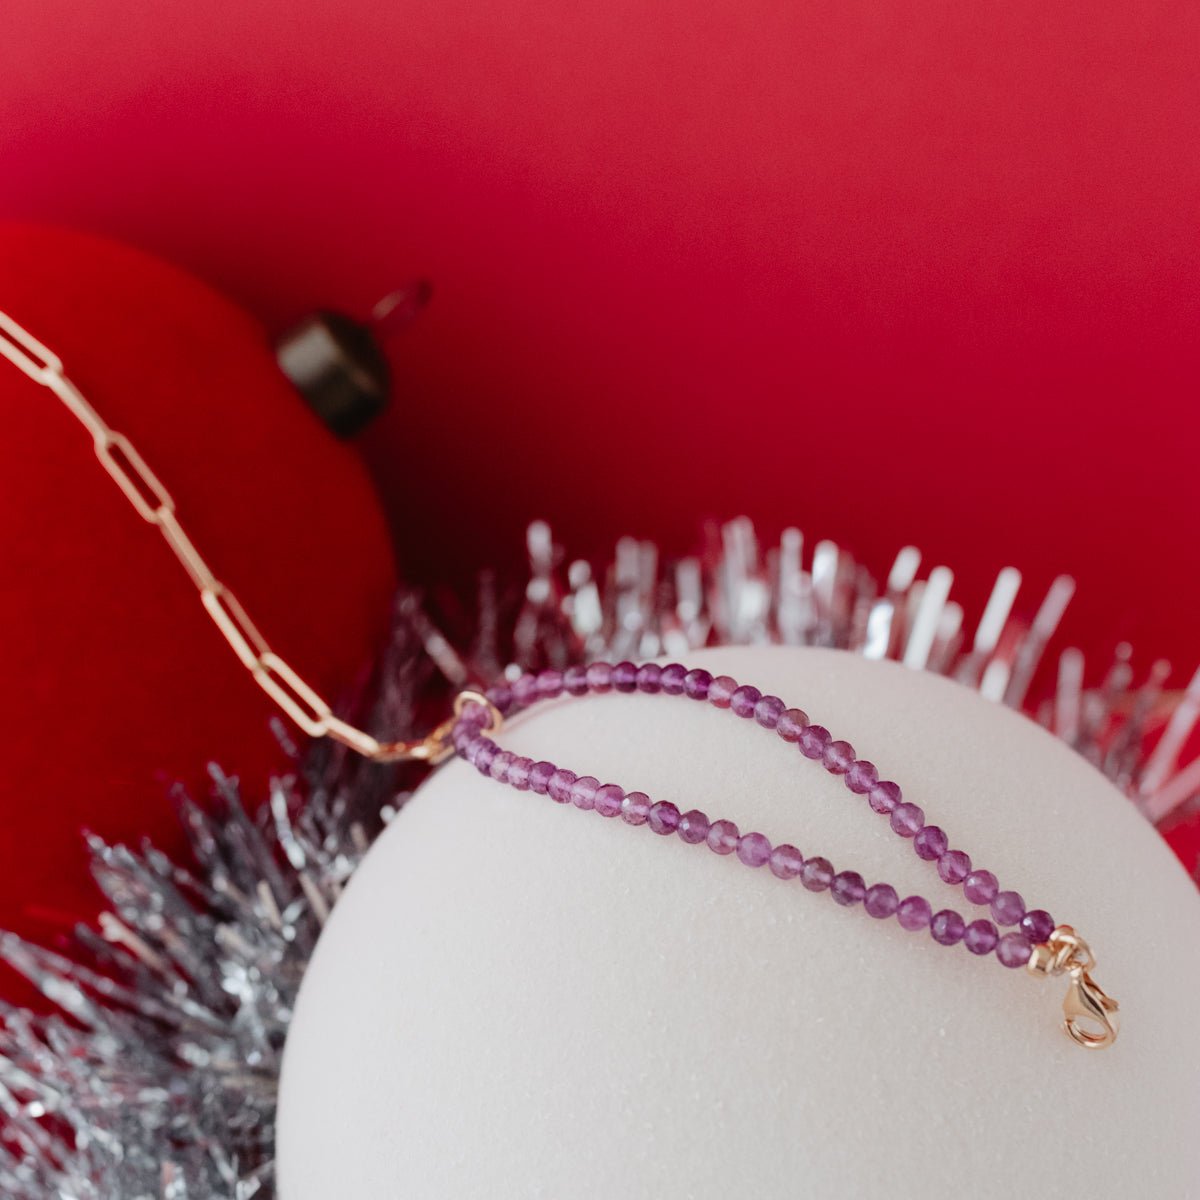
(1089, 1015)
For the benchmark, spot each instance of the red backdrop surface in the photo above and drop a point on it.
(895, 271)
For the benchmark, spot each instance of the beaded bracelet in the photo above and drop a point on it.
(1090, 1016)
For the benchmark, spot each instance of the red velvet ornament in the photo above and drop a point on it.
(115, 681)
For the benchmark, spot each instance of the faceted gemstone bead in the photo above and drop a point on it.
(792, 723)
(1037, 925)
(881, 900)
(672, 678)
(559, 787)
(624, 677)
(838, 758)
(848, 888)
(862, 776)
(742, 701)
(649, 677)
(484, 756)
(693, 827)
(914, 913)
(907, 819)
(518, 773)
(575, 680)
(599, 677)
(768, 711)
(980, 887)
(931, 843)
(721, 691)
(539, 776)
(664, 817)
(722, 837)
(1013, 950)
(583, 792)
(954, 866)
(1008, 908)
(884, 796)
(549, 683)
(500, 694)
(608, 800)
(635, 808)
(525, 690)
(947, 927)
(754, 850)
(816, 874)
(981, 937)
(812, 741)
(786, 862)
(696, 684)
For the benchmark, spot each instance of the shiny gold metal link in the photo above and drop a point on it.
(154, 504)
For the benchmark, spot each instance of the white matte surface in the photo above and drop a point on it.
(515, 999)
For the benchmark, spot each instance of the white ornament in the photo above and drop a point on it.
(515, 999)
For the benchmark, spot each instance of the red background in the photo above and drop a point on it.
(895, 271)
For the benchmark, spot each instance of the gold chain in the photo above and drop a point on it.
(154, 504)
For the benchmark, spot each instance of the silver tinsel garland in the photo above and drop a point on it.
(157, 1080)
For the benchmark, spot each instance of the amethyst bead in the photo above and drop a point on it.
(980, 887)
(792, 723)
(635, 808)
(672, 677)
(559, 787)
(484, 755)
(549, 684)
(816, 874)
(583, 792)
(664, 817)
(861, 777)
(947, 927)
(786, 862)
(693, 827)
(696, 684)
(624, 677)
(754, 850)
(525, 691)
(742, 702)
(1037, 925)
(881, 900)
(812, 741)
(722, 837)
(575, 680)
(1008, 908)
(1013, 950)
(519, 771)
(768, 711)
(599, 677)
(848, 888)
(914, 913)
(608, 800)
(539, 777)
(649, 678)
(954, 866)
(981, 937)
(838, 758)
(884, 796)
(907, 819)
(931, 843)
(721, 691)
(500, 694)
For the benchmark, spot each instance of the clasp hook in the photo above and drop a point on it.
(1089, 1015)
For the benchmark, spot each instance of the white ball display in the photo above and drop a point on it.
(515, 999)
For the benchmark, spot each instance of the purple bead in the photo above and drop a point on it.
(861, 777)
(768, 711)
(599, 677)
(500, 694)
(722, 837)
(575, 680)
(754, 850)
(1008, 908)
(981, 937)
(608, 800)
(792, 723)
(812, 741)
(696, 684)
(881, 900)
(954, 866)
(907, 820)
(1037, 925)
(635, 808)
(848, 888)
(914, 913)
(721, 691)
(786, 862)
(559, 787)
(624, 677)
(525, 690)
(539, 777)
(884, 796)
(672, 677)
(583, 792)
(484, 756)
(649, 677)
(947, 927)
(664, 817)
(838, 758)
(1013, 950)
(931, 843)
(693, 827)
(518, 773)
(472, 748)
(742, 701)
(816, 874)
(549, 684)
(980, 887)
